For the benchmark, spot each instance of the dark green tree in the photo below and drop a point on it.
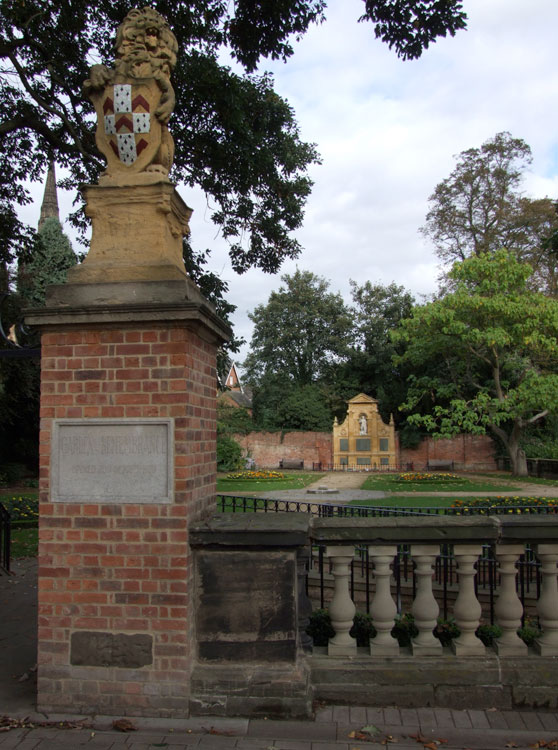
(235, 137)
(48, 263)
(300, 338)
(377, 311)
(479, 208)
(494, 342)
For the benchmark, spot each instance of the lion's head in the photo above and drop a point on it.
(145, 45)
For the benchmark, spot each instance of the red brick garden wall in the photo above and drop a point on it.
(472, 452)
(268, 448)
(124, 568)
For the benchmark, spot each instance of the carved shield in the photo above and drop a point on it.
(128, 133)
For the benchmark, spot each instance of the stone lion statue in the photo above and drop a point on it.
(145, 48)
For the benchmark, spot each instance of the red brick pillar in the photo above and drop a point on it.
(128, 394)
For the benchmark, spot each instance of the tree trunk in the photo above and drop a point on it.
(518, 459)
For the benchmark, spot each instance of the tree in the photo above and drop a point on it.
(49, 263)
(299, 338)
(301, 331)
(495, 343)
(235, 137)
(377, 311)
(479, 208)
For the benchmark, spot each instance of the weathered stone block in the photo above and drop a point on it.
(95, 649)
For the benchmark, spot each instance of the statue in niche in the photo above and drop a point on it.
(134, 101)
(363, 424)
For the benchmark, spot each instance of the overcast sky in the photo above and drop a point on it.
(387, 132)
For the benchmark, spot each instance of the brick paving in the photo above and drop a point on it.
(332, 729)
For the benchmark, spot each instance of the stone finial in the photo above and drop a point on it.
(49, 207)
(135, 99)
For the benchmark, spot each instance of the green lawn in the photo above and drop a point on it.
(292, 481)
(24, 542)
(408, 501)
(392, 483)
(514, 481)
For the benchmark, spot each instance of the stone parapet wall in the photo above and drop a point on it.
(469, 452)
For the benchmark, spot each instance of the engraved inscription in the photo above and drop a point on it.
(112, 460)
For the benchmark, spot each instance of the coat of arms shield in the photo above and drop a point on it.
(128, 133)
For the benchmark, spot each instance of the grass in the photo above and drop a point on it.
(292, 481)
(24, 542)
(392, 483)
(526, 480)
(407, 501)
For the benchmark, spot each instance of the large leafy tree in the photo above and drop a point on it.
(495, 344)
(378, 309)
(479, 208)
(300, 337)
(235, 137)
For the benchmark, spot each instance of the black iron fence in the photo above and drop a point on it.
(244, 504)
(5, 539)
(536, 467)
(487, 580)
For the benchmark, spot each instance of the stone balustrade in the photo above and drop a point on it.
(467, 535)
(251, 613)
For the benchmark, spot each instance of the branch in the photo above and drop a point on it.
(48, 108)
(538, 416)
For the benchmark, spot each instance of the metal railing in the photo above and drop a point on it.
(249, 504)
(5, 539)
(487, 579)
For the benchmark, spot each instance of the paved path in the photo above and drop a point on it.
(335, 728)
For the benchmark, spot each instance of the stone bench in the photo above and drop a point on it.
(290, 464)
(439, 464)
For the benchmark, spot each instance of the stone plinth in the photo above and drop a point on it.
(128, 384)
(247, 617)
(137, 233)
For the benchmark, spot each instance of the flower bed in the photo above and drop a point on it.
(23, 510)
(479, 505)
(255, 475)
(425, 476)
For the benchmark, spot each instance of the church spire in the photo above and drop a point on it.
(49, 209)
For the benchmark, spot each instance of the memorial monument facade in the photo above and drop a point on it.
(364, 441)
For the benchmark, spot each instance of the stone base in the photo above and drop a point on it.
(460, 649)
(418, 649)
(333, 649)
(384, 649)
(137, 233)
(274, 691)
(445, 682)
(544, 650)
(505, 649)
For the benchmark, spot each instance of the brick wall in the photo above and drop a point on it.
(124, 568)
(268, 448)
(472, 452)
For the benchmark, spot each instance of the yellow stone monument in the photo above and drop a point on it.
(138, 218)
(364, 441)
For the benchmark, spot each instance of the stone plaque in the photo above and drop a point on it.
(112, 460)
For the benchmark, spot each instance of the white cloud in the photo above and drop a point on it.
(388, 130)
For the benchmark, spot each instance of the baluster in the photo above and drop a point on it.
(547, 606)
(425, 607)
(508, 608)
(342, 609)
(383, 609)
(467, 610)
